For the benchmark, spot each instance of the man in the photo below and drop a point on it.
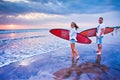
(100, 35)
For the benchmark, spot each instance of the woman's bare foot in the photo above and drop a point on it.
(77, 57)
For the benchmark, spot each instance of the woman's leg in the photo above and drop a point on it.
(74, 51)
(72, 48)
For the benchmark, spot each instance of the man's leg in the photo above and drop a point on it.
(99, 41)
(99, 48)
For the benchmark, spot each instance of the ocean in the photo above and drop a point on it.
(16, 45)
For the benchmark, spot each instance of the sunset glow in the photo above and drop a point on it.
(11, 26)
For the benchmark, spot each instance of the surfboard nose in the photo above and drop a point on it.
(51, 31)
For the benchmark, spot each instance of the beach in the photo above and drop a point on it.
(43, 56)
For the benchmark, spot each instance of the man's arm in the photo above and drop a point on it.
(102, 32)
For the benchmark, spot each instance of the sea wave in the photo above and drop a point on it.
(17, 48)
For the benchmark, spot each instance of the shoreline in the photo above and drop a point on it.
(49, 65)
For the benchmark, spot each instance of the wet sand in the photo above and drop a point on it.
(56, 65)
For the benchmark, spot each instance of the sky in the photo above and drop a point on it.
(32, 14)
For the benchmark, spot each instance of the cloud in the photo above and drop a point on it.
(58, 6)
(61, 21)
(8, 8)
(19, 7)
(58, 13)
(30, 18)
(14, 1)
(36, 16)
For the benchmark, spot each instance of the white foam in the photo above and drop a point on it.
(13, 50)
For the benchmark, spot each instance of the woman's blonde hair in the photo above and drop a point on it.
(75, 25)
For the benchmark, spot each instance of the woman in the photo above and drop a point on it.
(73, 35)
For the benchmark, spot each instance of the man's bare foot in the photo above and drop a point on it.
(99, 53)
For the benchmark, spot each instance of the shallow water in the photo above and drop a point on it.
(54, 63)
(18, 45)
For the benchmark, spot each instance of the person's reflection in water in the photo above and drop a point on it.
(94, 69)
(74, 72)
(66, 73)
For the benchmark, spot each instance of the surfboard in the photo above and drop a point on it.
(92, 32)
(64, 34)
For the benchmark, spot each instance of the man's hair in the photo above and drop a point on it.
(101, 18)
